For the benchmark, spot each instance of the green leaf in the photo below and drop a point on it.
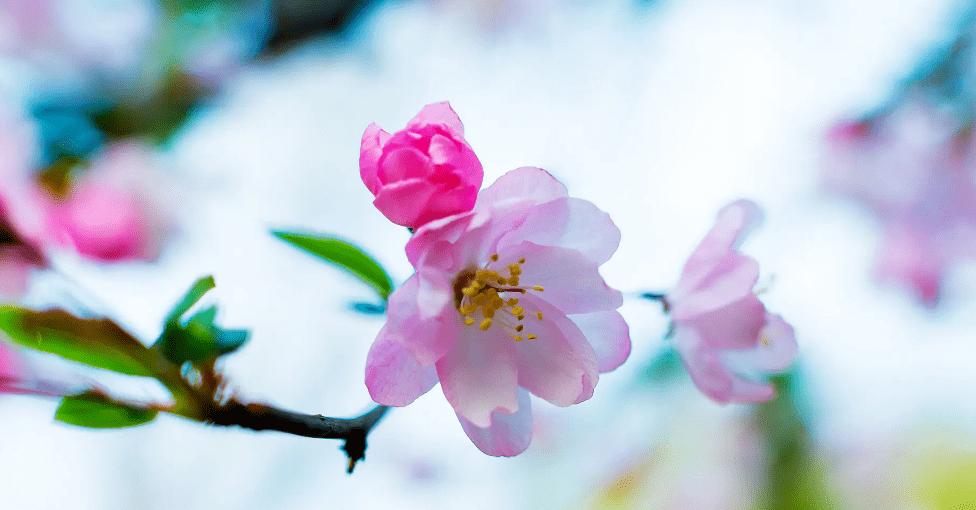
(201, 287)
(95, 411)
(99, 343)
(344, 255)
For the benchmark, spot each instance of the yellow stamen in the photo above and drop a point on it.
(520, 317)
(468, 309)
(494, 258)
(519, 328)
(522, 260)
(513, 281)
(518, 310)
(532, 337)
(469, 321)
(479, 299)
(512, 302)
(489, 313)
(539, 315)
(485, 324)
(537, 288)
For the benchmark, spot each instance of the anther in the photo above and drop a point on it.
(522, 260)
(518, 310)
(513, 281)
(539, 315)
(517, 328)
(485, 324)
(469, 321)
(537, 288)
(494, 258)
(512, 302)
(532, 337)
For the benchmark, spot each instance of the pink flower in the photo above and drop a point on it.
(721, 330)
(423, 173)
(913, 167)
(18, 258)
(507, 300)
(115, 211)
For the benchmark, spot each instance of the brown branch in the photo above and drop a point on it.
(262, 417)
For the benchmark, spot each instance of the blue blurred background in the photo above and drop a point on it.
(660, 112)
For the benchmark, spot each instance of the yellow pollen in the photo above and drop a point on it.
(489, 313)
(539, 315)
(520, 317)
(512, 302)
(764, 339)
(482, 275)
(494, 258)
(468, 309)
(517, 338)
(485, 324)
(479, 300)
(518, 310)
(517, 328)
(522, 260)
(532, 337)
(514, 269)
(513, 281)
(469, 321)
(537, 288)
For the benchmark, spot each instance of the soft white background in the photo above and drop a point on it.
(659, 115)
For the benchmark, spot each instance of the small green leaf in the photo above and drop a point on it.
(95, 411)
(99, 343)
(344, 255)
(201, 287)
(198, 338)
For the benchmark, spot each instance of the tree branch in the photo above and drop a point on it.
(263, 417)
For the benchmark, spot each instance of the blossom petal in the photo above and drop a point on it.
(421, 313)
(403, 164)
(711, 376)
(371, 148)
(571, 281)
(732, 225)
(609, 335)
(438, 113)
(404, 201)
(731, 279)
(570, 223)
(734, 326)
(479, 374)
(775, 352)
(559, 366)
(525, 184)
(394, 377)
(508, 435)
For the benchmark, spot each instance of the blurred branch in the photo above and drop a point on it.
(298, 20)
(262, 417)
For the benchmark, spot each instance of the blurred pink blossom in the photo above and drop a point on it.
(721, 330)
(507, 300)
(423, 173)
(115, 211)
(11, 372)
(913, 167)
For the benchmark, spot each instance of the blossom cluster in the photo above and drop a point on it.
(913, 168)
(507, 299)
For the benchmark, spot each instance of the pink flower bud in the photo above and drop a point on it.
(425, 172)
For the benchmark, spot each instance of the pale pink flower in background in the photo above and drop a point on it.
(11, 371)
(18, 259)
(913, 167)
(721, 329)
(507, 300)
(425, 172)
(118, 209)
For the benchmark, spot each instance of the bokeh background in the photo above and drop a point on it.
(660, 112)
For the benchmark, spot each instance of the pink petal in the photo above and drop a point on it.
(508, 435)
(403, 164)
(609, 335)
(438, 113)
(734, 326)
(733, 223)
(527, 184)
(572, 282)
(105, 223)
(711, 376)
(730, 279)
(405, 201)
(370, 151)
(422, 314)
(479, 374)
(11, 369)
(775, 351)
(16, 265)
(393, 375)
(569, 223)
(559, 366)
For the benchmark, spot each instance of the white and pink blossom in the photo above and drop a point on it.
(507, 300)
(724, 334)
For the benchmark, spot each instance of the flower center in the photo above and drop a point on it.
(481, 290)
